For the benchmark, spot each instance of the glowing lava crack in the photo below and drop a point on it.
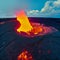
(31, 29)
(25, 55)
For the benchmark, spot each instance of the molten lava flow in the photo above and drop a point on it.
(25, 55)
(31, 28)
(25, 24)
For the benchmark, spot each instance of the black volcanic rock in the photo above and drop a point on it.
(45, 47)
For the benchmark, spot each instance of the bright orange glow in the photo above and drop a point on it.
(25, 55)
(31, 29)
(26, 26)
(36, 28)
(23, 20)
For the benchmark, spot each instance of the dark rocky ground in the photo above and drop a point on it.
(45, 47)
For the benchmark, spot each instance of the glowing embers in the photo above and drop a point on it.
(25, 55)
(41, 29)
(32, 29)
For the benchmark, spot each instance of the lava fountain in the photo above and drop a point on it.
(31, 29)
(25, 24)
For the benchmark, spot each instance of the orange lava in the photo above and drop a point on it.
(25, 55)
(25, 25)
(31, 29)
(23, 20)
(37, 28)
